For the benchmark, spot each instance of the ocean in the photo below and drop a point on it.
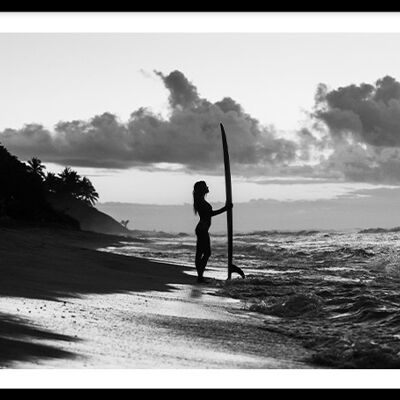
(337, 292)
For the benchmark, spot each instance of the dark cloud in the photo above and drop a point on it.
(189, 136)
(354, 136)
(182, 92)
(368, 113)
(363, 131)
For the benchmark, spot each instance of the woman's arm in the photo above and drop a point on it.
(221, 210)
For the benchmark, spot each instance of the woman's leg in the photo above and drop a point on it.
(203, 252)
(199, 256)
(199, 252)
(206, 252)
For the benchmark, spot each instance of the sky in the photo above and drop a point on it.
(309, 116)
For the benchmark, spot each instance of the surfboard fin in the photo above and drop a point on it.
(233, 268)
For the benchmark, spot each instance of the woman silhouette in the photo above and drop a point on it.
(205, 211)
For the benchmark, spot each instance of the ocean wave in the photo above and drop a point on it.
(365, 309)
(380, 230)
(345, 324)
(291, 306)
(356, 252)
(336, 292)
(355, 355)
(264, 233)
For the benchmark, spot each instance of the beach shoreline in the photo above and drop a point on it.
(67, 304)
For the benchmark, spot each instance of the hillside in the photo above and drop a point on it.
(22, 196)
(89, 218)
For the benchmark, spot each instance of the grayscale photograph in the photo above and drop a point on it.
(200, 200)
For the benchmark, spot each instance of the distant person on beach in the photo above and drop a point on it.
(205, 211)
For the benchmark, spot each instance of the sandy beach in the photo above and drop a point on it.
(65, 304)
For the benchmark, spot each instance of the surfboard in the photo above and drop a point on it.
(229, 214)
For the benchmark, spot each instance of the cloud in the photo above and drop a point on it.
(363, 131)
(354, 136)
(182, 92)
(189, 136)
(368, 113)
(359, 163)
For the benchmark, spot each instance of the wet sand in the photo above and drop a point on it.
(65, 304)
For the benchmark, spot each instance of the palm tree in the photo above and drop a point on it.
(87, 192)
(70, 180)
(36, 167)
(52, 182)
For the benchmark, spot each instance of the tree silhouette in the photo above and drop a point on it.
(52, 182)
(87, 192)
(23, 193)
(70, 182)
(25, 190)
(36, 167)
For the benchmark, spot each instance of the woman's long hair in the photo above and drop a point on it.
(198, 194)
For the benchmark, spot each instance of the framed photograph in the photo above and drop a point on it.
(199, 199)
